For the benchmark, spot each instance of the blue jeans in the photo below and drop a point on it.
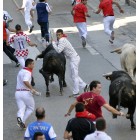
(44, 26)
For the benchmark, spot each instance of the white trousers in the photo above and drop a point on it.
(25, 103)
(27, 17)
(108, 24)
(21, 60)
(82, 28)
(77, 81)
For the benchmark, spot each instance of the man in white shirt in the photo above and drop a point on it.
(27, 6)
(99, 134)
(63, 45)
(24, 93)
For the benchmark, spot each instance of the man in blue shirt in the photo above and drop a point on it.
(43, 11)
(40, 126)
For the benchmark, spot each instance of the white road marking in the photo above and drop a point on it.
(91, 50)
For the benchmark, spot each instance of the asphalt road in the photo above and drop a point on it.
(95, 60)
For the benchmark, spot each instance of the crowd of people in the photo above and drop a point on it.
(88, 122)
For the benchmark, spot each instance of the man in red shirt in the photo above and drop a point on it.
(106, 7)
(93, 101)
(80, 12)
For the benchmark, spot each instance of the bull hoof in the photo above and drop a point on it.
(64, 85)
(114, 116)
(51, 80)
(133, 127)
(47, 94)
(127, 116)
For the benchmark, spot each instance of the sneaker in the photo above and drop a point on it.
(17, 64)
(31, 29)
(5, 82)
(74, 95)
(20, 123)
(111, 41)
(86, 88)
(83, 42)
(22, 127)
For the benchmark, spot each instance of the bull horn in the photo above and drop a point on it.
(107, 74)
(118, 50)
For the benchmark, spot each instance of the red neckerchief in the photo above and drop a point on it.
(28, 69)
(85, 114)
(64, 35)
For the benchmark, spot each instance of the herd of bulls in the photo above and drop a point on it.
(122, 89)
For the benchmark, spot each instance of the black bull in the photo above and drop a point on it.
(122, 92)
(53, 63)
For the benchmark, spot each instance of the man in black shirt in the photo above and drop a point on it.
(79, 127)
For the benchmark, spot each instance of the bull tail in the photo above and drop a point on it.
(119, 98)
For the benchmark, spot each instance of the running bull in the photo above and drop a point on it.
(53, 63)
(122, 92)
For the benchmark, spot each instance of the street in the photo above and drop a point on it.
(96, 60)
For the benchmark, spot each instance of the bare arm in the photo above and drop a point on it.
(27, 84)
(32, 44)
(67, 135)
(119, 7)
(87, 15)
(20, 8)
(113, 110)
(11, 30)
(72, 12)
(98, 11)
(71, 108)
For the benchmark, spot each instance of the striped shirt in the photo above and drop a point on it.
(65, 46)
